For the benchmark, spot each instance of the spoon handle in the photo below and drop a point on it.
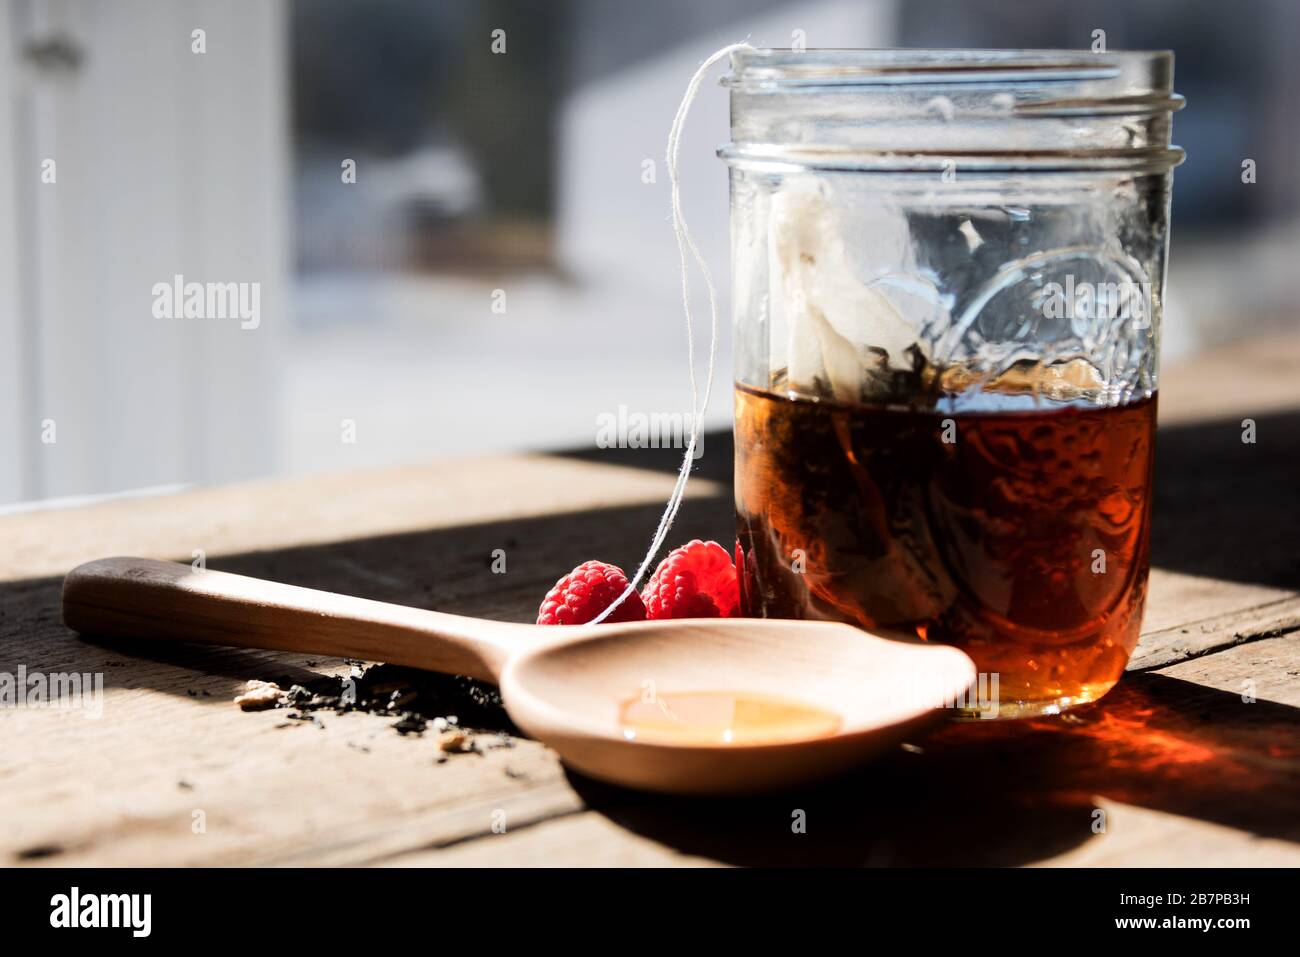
(143, 598)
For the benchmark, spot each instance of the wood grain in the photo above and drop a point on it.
(1185, 770)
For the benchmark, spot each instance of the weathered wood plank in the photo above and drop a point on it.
(1173, 755)
(1196, 638)
(1175, 765)
(291, 795)
(110, 790)
(585, 839)
(299, 512)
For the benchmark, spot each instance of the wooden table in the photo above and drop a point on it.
(1187, 767)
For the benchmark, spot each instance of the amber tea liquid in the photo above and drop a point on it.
(1019, 536)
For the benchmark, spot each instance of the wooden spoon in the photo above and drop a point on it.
(647, 704)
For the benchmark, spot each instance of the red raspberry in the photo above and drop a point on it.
(585, 592)
(697, 580)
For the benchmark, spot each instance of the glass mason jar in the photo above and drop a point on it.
(947, 270)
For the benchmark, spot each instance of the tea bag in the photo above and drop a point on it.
(843, 335)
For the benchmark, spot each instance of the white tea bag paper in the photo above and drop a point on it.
(843, 334)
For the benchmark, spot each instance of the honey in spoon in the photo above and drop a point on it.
(710, 718)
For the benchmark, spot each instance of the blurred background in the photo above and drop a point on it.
(502, 270)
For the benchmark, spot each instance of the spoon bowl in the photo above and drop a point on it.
(572, 695)
(692, 706)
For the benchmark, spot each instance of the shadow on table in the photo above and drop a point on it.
(1225, 508)
(1004, 793)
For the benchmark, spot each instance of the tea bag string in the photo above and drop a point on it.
(684, 244)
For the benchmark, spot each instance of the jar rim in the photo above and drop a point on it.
(989, 110)
(756, 68)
